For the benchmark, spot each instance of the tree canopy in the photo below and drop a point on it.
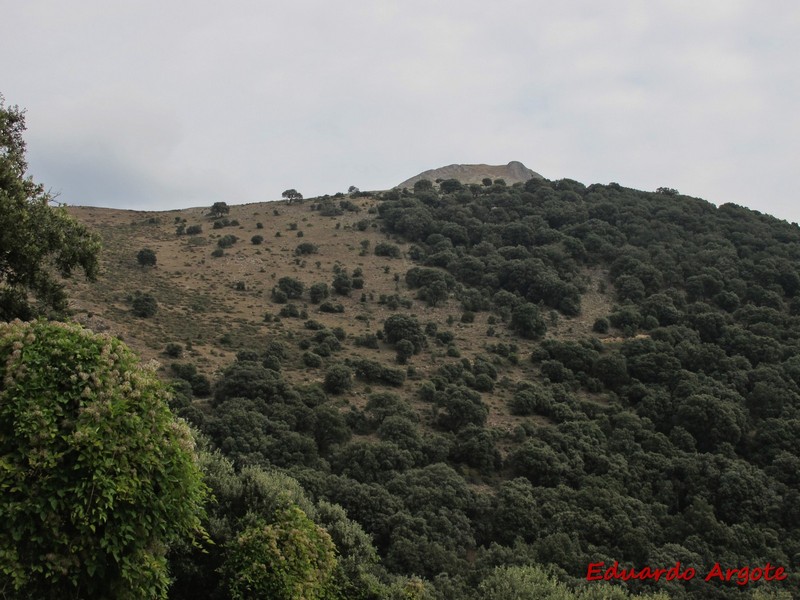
(38, 240)
(98, 478)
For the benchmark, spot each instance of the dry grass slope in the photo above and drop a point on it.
(201, 308)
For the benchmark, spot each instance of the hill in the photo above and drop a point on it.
(513, 172)
(543, 373)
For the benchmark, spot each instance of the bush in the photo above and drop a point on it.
(173, 350)
(226, 241)
(527, 322)
(318, 292)
(146, 257)
(194, 229)
(306, 248)
(330, 307)
(289, 311)
(293, 288)
(312, 360)
(600, 325)
(386, 249)
(144, 305)
(342, 284)
(257, 239)
(338, 379)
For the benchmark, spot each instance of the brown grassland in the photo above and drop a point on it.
(201, 308)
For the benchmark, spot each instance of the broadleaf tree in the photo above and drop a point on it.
(38, 239)
(97, 478)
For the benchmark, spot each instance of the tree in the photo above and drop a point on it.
(292, 195)
(338, 379)
(291, 558)
(219, 209)
(146, 257)
(37, 239)
(403, 327)
(527, 322)
(293, 288)
(98, 478)
(405, 350)
(318, 292)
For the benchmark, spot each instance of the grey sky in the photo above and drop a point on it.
(156, 105)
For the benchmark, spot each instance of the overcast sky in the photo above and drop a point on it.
(165, 104)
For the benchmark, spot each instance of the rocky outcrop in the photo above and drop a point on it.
(513, 172)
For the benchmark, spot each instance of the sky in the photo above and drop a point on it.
(159, 105)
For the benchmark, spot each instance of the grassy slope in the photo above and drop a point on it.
(198, 302)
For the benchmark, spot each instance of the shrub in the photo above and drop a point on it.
(342, 284)
(306, 248)
(194, 229)
(386, 249)
(338, 379)
(257, 239)
(217, 253)
(144, 305)
(318, 292)
(146, 257)
(312, 360)
(600, 325)
(226, 241)
(173, 350)
(289, 310)
(330, 307)
(293, 288)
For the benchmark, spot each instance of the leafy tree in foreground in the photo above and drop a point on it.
(36, 238)
(98, 478)
(292, 558)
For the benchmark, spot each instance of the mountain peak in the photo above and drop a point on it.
(513, 172)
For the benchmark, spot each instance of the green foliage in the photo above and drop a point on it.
(144, 305)
(293, 288)
(227, 240)
(98, 476)
(173, 350)
(387, 249)
(37, 240)
(146, 257)
(194, 229)
(318, 292)
(288, 559)
(256, 240)
(292, 195)
(338, 379)
(342, 284)
(218, 209)
(402, 327)
(306, 248)
(527, 321)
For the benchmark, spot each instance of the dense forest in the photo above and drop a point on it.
(668, 437)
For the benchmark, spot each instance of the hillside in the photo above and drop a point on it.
(513, 172)
(543, 373)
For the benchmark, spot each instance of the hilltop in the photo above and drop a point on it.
(513, 172)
